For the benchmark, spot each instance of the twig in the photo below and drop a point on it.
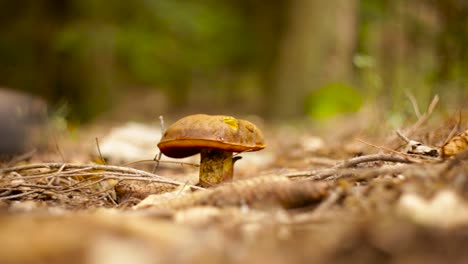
(162, 161)
(52, 179)
(41, 186)
(161, 122)
(403, 137)
(406, 169)
(99, 151)
(344, 166)
(414, 102)
(61, 168)
(83, 186)
(18, 195)
(378, 147)
(327, 203)
(433, 104)
(109, 196)
(408, 156)
(424, 117)
(454, 129)
(58, 149)
(6, 192)
(182, 188)
(17, 174)
(158, 156)
(375, 157)
(77, 170)
(312, 174)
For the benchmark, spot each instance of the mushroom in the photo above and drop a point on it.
(215, 137)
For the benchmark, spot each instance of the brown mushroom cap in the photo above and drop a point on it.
(189, 135)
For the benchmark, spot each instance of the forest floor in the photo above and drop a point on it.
(341, 191)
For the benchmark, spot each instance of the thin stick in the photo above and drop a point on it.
(182, 188)
(454, 129)
(77, 170)
(375, 157)
(161, 122)
(83, 186)
(433, 104)
(424, 117)
(50, 181)
(162, 161)
(415, 158)
(158, 156)
(403, 137)
(99, 151)
(327, 203)
(38, 186)
(61, 168)
(157, 159)
(77, 166)
(382, 148)
(414, 102)
(109, 196)
(321, 174)
(58, 149)
(370, 173)
(18, 195)
(17, 174)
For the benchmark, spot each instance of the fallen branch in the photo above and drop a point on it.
(374, 157)
(321, 174)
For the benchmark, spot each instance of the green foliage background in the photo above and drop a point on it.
(224, 55)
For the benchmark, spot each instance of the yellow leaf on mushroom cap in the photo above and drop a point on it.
(231, 121)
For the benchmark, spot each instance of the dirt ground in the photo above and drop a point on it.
(341, 191)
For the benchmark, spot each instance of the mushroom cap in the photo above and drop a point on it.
(189, 135)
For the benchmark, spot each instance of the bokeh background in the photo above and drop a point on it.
(277, 59)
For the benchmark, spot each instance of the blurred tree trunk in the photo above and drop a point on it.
(54, 15)
(452, 44)
(317, 45)
(268, 19)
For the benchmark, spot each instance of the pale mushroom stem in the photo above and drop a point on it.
(216, 166)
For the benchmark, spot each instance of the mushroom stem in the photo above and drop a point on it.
(215, 166)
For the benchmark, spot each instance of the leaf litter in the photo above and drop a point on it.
(376, 204)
